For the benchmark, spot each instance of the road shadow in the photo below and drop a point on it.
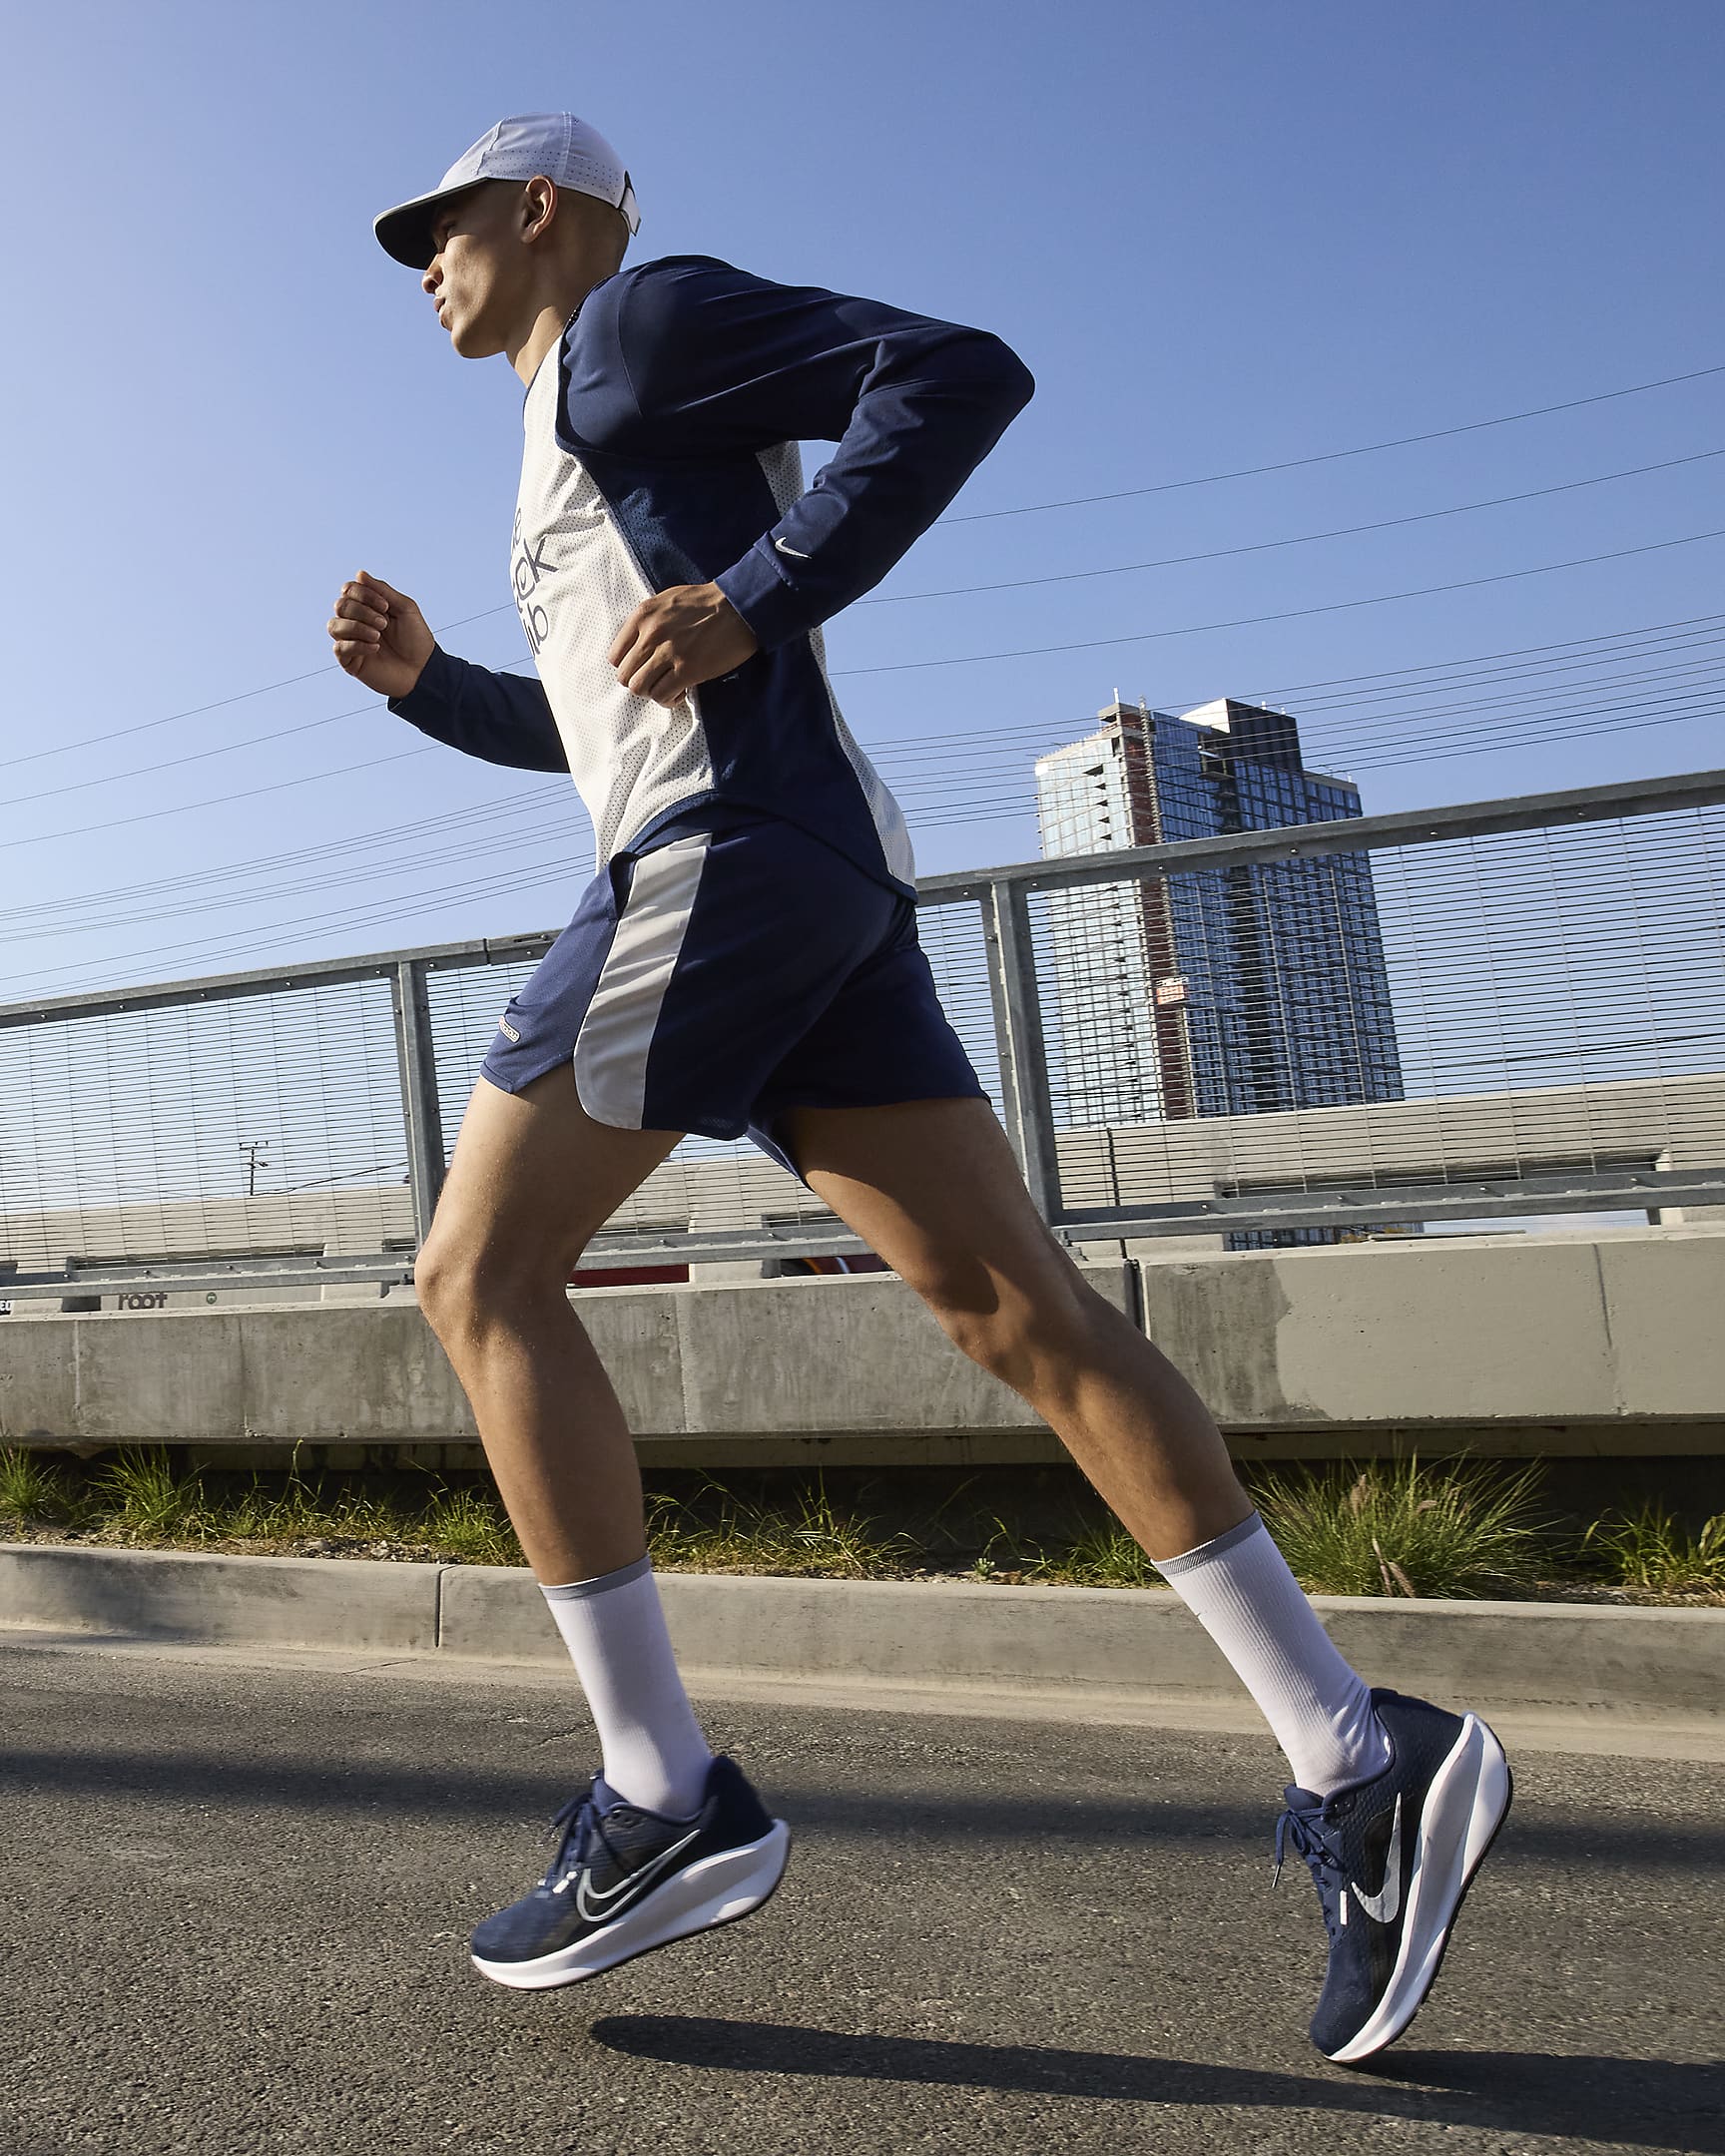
(278, 1776)
(1639, 2103)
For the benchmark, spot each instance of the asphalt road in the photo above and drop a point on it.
(234, 1903)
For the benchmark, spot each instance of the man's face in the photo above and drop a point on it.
(478, 276)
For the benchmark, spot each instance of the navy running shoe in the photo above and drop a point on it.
(625, 1881)
(1392, 1859)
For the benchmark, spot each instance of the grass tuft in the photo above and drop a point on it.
(1103, 1556)
(1650, 1550)
(145, 1498)
(32, 1492)
(469, 1525)
(1397, 1527)
(811, 1538)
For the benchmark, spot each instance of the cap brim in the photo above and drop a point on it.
(404, 233)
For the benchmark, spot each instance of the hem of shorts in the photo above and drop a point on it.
(520, 1085)
(517, 1082)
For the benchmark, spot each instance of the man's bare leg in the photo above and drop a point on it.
(670, 1840)
(532, 1181)
(1396, 1802)
(933, 1187)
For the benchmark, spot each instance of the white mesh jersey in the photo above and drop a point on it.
(576, 580)
(661, 450)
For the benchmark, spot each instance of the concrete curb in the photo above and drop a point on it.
(1499, 1656)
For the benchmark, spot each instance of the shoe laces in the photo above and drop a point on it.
(1304, 1830)
(577, 1827)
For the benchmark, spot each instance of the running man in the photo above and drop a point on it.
(746, 961)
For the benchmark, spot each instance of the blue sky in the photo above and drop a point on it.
(1221, 235)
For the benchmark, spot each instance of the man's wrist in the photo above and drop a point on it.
(758, 594)
(434, 679)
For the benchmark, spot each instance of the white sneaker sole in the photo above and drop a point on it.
(717, 1891)
(1464, 1808)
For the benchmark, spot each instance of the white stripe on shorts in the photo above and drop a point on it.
(617, 1032)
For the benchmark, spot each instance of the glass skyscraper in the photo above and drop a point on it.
(1215, 992)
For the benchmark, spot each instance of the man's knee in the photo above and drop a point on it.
(443, 1278)
(1018, 1334)
(466, 1281)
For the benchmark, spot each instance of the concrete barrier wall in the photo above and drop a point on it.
(1634, 1664)
(1551, 1331)
(1561, 1345)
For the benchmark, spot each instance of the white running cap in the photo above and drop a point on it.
(565, 150)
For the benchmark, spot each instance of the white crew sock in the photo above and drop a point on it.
(614, 1628)
(1241, 1591)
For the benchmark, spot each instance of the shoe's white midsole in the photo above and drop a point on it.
(715, 1890)
(1468, 1799)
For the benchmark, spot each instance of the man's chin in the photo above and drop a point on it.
(471, 340)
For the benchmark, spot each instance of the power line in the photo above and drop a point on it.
(1491, 747)
(1267, 546)
(200, 901)
(922, 745)
(898, 754)
(396, 834)
(240, 696)
(197, 755)
(1329, 456)
(1251, 621)
(346, 920)
(919, 792)
(1606, 648)
(1691, 650)
(217, 801)
(1519, 650)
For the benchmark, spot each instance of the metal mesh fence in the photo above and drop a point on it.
(1514, 1008)
(1526, 1015)
(262, 1125)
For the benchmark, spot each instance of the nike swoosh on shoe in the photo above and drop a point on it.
(1385, 1904)
(599, 1905)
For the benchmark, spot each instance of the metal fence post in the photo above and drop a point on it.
(1029, 1103)
(419, 1104)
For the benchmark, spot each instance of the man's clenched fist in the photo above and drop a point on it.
(380, 635)
(676, 640)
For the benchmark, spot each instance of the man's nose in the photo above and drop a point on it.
(433, 274)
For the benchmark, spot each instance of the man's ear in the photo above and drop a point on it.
(538, 207)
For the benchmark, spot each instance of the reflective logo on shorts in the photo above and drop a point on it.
(509, 1029)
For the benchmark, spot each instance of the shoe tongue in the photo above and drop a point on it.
(606, 1800)
(1301, 1800)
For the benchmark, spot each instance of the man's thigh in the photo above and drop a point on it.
(535, 1175)
(933, 1187)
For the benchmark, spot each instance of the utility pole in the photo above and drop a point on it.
(253, 1148)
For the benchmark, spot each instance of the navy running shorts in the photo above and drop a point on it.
(718, 978)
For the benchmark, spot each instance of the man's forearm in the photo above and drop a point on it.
(500, 718)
